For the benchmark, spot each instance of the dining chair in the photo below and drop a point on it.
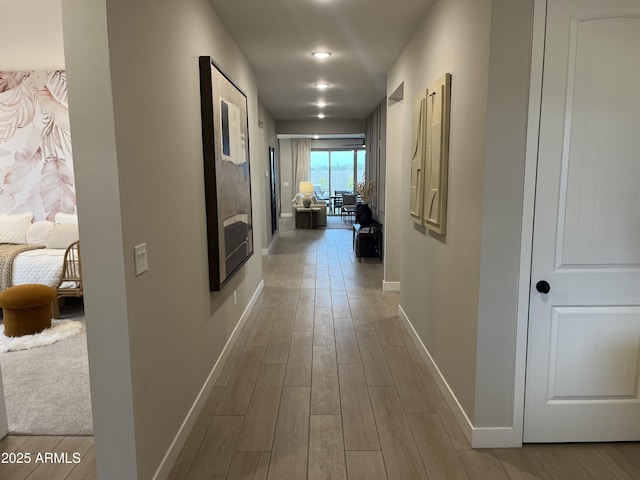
(348, 204)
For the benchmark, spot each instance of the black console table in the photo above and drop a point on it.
(367, 241)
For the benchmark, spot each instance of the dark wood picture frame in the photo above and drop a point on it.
(227, 173)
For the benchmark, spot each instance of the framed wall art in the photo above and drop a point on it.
(227, 177)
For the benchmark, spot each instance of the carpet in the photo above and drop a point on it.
(60, 329)
(47, 388)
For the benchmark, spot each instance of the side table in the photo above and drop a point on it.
(302, 213)
(367, 241)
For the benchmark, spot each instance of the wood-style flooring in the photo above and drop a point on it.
(324, 382)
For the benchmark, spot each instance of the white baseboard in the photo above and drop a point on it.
(181, 437)
(390, 286)
(494, 437)
(267, 251)
(479, 437)
(286, 215)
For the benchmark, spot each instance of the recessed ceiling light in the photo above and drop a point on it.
(321, 86)
(316, 137)
(321, 115)
(322, 104)
(321, 55)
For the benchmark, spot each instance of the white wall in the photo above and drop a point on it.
(287, 192)
(268, 138)
(135, 117)
(460, 291)
(32, 35)
(509, 70)
(440, 276)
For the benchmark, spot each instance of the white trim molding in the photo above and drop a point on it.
(479, 437)
(526, 240)
(268, 251)
(189, 422)
(390, 286)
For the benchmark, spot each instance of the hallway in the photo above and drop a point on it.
(325, 382)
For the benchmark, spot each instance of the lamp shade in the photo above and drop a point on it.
(306, 188)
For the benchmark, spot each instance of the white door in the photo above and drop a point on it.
(583, 356)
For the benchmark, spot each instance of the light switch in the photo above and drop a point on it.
(140, 255)
(285, 184)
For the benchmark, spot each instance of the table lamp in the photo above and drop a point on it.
(306, 188)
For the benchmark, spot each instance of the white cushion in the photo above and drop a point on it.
(63, 235)
(13, 228)
(38, 233)
(66, 218)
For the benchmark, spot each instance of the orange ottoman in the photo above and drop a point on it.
(26, 309)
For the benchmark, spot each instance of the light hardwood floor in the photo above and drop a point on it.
(324, 382)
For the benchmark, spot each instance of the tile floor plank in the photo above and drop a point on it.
(438, 453)
(69, 453)
(360, 432)
(407, 340)
(559, 463)
(375, 365)
(323, 328)
(25, 459)
(237, 394)
(304, 315)
(325, 394)
(217, 447)
(347, 350)
(520, 465)
(249, 466)
(365, 466)
(259, 336)
(401, 456)
(298, 373)
(291, 439)
(386, 330)
(87, 469)
(232, 360)
(597, 462)
(413, 394)
(181, 468)
(260, 421)
(279, 341)
(483, 464)
(326, 448)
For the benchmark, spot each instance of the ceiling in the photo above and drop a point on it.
(364, 36)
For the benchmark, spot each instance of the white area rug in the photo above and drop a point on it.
(47, 389)
(60, 329)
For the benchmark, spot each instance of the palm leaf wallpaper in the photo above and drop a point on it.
(36, 165)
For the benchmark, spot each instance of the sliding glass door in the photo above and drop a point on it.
(336, 169)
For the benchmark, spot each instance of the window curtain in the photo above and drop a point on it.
(301, 160)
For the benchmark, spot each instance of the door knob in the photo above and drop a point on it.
(543, 286)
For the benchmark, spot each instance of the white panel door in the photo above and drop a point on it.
(583, 356)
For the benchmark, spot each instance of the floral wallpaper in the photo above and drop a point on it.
(36, 166)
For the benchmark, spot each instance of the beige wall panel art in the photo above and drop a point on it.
(436, 152)
(416, 201)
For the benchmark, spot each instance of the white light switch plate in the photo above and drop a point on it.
(140, 255)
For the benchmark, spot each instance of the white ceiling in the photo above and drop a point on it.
(277, 37)
(364, 36)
